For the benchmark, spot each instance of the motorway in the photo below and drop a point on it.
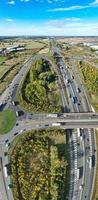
(80, 189)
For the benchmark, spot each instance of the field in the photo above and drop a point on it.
(7, 121)
(12, 62)
(23, 41)
(35, 44)
(39, 165)
(2, 59)
(9, 68)
(39, 92)
(78, 39)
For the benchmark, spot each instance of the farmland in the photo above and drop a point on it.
(11, 63)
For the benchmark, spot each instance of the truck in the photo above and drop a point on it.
(53, 115)
(56, 124)
(78, 131)
(5, 171)
(81, 135)
(91, 161)
(80, 172)
(17, 113)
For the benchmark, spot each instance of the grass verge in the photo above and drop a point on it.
(7, 121)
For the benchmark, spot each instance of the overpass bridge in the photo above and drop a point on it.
(66, 120)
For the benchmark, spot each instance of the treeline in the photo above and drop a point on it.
(38, 166)
(40, 89)
(90, 75)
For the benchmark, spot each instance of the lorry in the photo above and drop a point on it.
(53, 115)
(80, 172)
(78, 131)
(56, 124)
(5, 171)
(91, 161)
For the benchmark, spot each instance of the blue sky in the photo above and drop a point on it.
(49, 17)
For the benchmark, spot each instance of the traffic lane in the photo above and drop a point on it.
(88, 178)
(5, 96)
(79, 84)
(68, 124)
(3, 189)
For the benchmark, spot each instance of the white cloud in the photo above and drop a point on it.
(94, 2)
(11, 2)
(68, 8)
(63, 22)
(64, 27)
(72, 19)
(77, 7)
(9, 20)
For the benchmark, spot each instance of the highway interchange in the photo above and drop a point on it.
(81, 141)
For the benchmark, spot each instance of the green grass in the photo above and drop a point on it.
(34, 45)
(2, 59)
(7, 121)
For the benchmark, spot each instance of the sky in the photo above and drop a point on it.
(49, 17)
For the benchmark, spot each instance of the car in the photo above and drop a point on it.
(8, 187)
(79, 104)
(82, 154)
(17, 124)
(29, 117)
(74, 99)
(72, 77)
(5, 153)
(7, 144)
(84, 136)
(6, 141)
(78, 90)
(16, 133)
(21, 131)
